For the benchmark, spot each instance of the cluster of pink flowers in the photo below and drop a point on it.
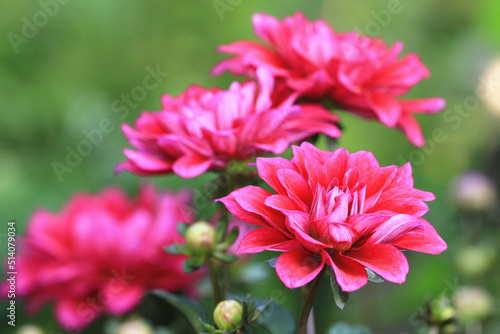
(203, 129)
(101, 253)
(358, 73)
(336, 209)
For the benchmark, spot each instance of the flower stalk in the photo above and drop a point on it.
(308, 303)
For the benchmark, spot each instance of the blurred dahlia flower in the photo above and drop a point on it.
(101, 253)
(203, 129)
(337, 209)
(359, 73)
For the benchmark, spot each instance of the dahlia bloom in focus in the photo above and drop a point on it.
(101, 253)
(361, 74)
(337, 209)
(203, 129)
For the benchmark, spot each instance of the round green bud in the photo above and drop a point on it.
(227, 315)
(201, 238)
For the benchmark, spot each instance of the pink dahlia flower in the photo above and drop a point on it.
(337, 209)
(101, 253)
(203, 129)
(361, 74)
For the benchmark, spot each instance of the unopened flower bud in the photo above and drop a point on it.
(474, 191)
(227, 315)
(473, 304)
(135, 326)
(201, 238)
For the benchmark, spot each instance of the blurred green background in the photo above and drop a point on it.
(67, 66)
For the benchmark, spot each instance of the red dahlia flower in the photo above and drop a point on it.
(101, 253)
(361, 74)
(336, 209)
(203, 129)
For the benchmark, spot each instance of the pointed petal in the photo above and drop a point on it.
(298, 267)
(190, 166)
(425, 240)
(268, 168)
(350, 274)
(124, 296)
(295, 185)
(394, 228)
(266, 238)
(385, 260)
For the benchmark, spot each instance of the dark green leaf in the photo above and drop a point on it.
(339, 297)
(260, 310)
(210, 328)
(172, 249)
(190, 309)
(225, 257)
(275, 319)
(229, 240)
(374, 277)
(221, 227)
(182, 228)
(177, 249)
(272, 262)
(343, 328)
(193, 263)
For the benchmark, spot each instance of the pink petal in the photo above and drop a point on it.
(236, 209)
(284, 204)
(190, 166)
(350, 275)
(394, 228)
(147, 162)
(268, 168)
(385, 260)
(298, 267)
(424, 240)
(386, 108)
(365, 224)
(295, 185)
(299, 224)
(412, 130)
(252, 199)
(266, 238)
(120, 295)
(74, 315)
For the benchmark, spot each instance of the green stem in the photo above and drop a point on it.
(215, 281)
(309, 302)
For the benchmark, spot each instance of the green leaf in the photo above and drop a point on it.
(210, 328)
(191, 310)
(374, 277)
(221, 227)
(272, 262)
(275, 319)
(225, 257)
(193, 263)
(182, 228)
(230, 239)
(343, 328)
(177, 249)
(172, 249)
(260, 310)
(339, 297)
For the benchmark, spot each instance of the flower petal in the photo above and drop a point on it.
(266, 238)
(425, 240)
(385, 260)
(350, 274)
(298, 267)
